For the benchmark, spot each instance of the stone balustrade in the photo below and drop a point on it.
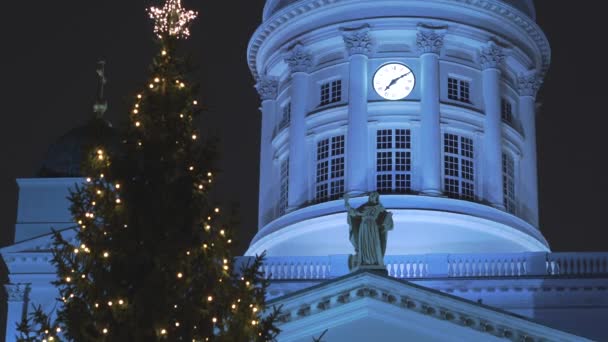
(577, 264)
(445, 266)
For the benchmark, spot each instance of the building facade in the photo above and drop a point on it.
(431, 103)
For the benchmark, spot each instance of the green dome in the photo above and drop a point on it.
(65, 156)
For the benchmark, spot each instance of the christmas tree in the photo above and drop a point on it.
(151, 260)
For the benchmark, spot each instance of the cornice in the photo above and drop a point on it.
(407, 296)
(305, 7)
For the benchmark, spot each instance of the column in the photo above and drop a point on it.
(299, 61)
(491, 59)
(429, 41)
(528, 87)
(17, 294)
(358, 44)
(267, 88)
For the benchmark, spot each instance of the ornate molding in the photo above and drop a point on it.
(487, 325)
(357, 40)
(303, 8)
(17, 292)
(267, 88)
(298, 59)
(429, 39)
(491, 56)
(528, 84)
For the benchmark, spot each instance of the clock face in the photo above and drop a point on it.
(394, 81)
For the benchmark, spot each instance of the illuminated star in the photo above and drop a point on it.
(172, 19)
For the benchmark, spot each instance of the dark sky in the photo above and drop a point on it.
(49, 55)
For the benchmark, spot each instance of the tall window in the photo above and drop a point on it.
(393, 160)
(331, 92)
(286, 116)
(330, 169)
(459, 90)
(284, 187)
(508, 182)
(459, 166)
(506, 111)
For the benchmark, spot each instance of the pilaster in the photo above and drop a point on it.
(429, 41)
(358, 43)
(299, 61)
(267, 89)
(491, 59)
(528, 86)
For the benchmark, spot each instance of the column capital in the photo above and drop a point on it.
(17, 292)
(528, 84)
(429, 39)
(491, 56)
(357, 40)
(267, 88)
(298, 59)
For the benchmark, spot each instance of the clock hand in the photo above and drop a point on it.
(393, 82)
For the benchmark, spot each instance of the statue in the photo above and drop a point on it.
(369, 225)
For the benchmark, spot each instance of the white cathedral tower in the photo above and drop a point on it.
(431, 103)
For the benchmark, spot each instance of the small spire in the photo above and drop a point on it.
(101, 105)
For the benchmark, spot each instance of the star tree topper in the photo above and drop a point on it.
(172, 19)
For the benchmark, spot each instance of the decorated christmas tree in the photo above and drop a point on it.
(151, 259)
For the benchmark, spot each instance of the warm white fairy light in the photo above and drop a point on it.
(172, 19)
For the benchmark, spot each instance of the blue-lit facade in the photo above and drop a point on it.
(432, 103)
(452, 151)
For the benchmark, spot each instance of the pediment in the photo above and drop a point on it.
(366, 306)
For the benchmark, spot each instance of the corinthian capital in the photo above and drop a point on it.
(528, 84)
(298, 59)
(16, 292)
(430, 39)
(491, 56)
(267, 88)
(357, 40)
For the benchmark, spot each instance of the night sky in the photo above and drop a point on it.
(49, 56)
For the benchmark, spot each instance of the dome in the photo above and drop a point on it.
(525, 6)
(65, 156)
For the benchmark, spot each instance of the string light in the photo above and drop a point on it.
(210, 299)
(120, 302)
(105, 330)
(106, 254)
(172, 19)
(180, 275)
(163, 332)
